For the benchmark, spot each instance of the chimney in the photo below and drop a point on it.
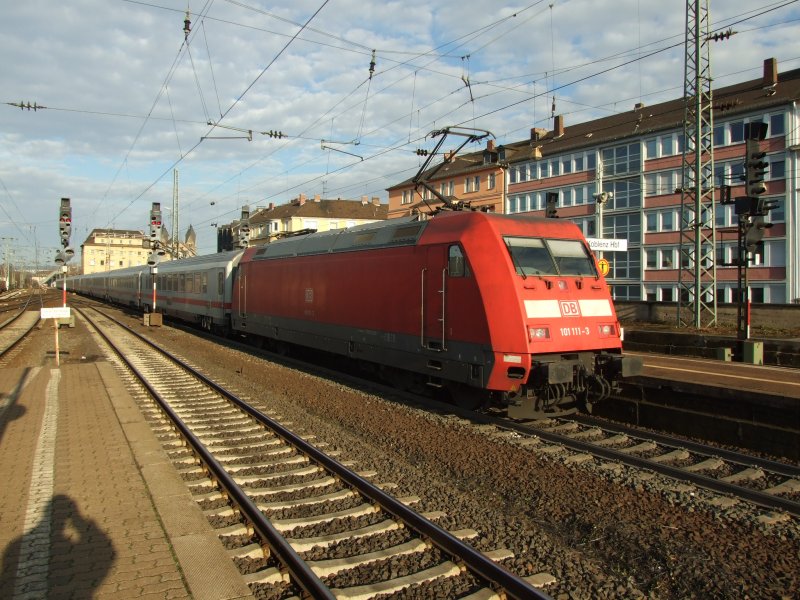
(272, 206)
(558, 126)
(364, 200)
(490, 145)
(376, 200)
(638, 106)
(537, 133)
(770, 73)
(301, 199)
(448, 156)
(317, 197)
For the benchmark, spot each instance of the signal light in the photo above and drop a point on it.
(155, 223)
(65, 221)
(551, 209)
(244, 227)
(756, 168)
(755, 232)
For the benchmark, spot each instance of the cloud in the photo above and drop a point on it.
(113, 131)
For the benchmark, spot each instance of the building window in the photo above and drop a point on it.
(651, 148)
(477, 183)
(777, 125)
(627, 226)
(587, 225)
(490, 182)
(626, 292)
(622, 160)
(777, 167)
(737, 132)
(627, 193)
(543, 171)
(661, 220)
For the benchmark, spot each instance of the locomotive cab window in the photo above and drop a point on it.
(533, 256)
(530, 256)
(456, 263)
(572, 258)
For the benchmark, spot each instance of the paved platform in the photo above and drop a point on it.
(90, 506)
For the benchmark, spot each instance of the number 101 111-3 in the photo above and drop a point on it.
(568, 331)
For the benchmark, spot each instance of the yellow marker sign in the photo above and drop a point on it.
(604, 266)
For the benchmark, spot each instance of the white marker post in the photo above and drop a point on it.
(59, 312)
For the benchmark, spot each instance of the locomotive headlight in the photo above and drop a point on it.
(538, 333)
(607, 330)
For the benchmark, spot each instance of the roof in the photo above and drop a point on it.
(740, 98)
(460, 165)
(116, 233)
(322, 209)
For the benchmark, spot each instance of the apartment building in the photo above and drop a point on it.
(634, 161)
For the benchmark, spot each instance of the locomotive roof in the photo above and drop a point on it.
(405, 231)
(394, 232)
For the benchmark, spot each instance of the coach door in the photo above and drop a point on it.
(241, 297)
(433, 301)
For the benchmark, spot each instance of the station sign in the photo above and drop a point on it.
(607, 244)
(59, 312)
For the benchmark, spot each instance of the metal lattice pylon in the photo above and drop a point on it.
(697, 272)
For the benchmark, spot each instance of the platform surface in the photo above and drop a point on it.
(90, 506)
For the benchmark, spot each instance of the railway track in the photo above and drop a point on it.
(14, 329)
(737, 476)
(290, 514)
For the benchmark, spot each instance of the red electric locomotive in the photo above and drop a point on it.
(510, 308)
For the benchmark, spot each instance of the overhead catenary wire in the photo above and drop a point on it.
(362, 136)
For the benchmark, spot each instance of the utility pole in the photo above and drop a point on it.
(697, 272)
(7, 240)
(176, 245)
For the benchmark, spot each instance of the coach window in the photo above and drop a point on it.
(456, 264)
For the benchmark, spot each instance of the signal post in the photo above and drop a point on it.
(751, 211)
(154, 318)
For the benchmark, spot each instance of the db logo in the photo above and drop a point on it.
(569, 308)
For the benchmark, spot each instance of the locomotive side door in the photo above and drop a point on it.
(433, 280)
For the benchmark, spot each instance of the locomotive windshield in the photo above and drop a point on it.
(533, 256)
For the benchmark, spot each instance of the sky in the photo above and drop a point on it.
(127, 100)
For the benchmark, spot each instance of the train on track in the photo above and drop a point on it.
(494, 309)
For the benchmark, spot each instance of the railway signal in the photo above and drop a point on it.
(751, 210)
(551, 210)
(64, 232)
(244, 227)
(65, 221)
(155, 224)
(755, 169)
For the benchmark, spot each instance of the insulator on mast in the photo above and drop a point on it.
(187, 26)
(372, 65)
